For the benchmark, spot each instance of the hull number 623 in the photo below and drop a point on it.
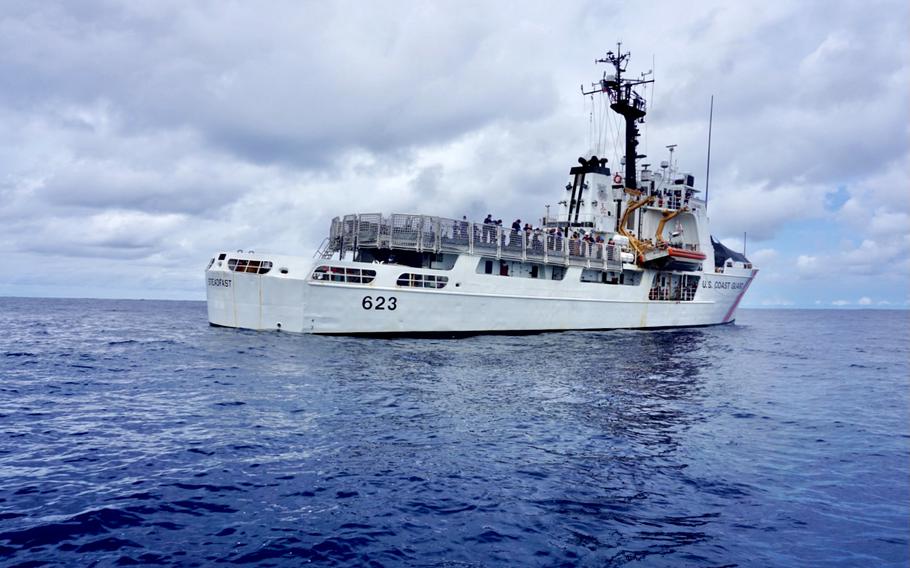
(379, 303)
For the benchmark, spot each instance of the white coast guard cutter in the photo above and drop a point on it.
(607, 260)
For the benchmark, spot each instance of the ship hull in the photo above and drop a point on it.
(290, 299)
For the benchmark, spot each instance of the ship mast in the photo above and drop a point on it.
(625, 102)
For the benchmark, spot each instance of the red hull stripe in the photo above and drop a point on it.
(740, 297)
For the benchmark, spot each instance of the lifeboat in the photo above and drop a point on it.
(686, 254)
(673, 258)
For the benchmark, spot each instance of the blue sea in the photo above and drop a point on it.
(132, 433)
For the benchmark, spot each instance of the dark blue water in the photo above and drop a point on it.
(132, 433)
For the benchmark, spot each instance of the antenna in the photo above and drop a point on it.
(651, 98)
(708, 168)
(626, 102)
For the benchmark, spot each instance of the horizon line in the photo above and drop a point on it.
(893, 307)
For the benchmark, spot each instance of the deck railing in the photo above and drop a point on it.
(424, 233)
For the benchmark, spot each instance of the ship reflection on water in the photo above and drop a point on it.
(618, 470)
(589, 432)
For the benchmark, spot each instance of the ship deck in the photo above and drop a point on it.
(424, 233)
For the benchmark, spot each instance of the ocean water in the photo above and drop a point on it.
(132, 433)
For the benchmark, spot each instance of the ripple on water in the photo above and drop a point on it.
(134, 434)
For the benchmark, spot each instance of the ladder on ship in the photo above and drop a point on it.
(324, 251)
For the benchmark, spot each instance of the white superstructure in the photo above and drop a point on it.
(628, 250)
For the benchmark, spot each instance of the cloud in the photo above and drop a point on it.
(111, 234)
(777, 302)
(764, 257)
(761, 209)
(840, 303)
(864, 301)
(161, 132)
(885, 258)
(807, 265)
(870, 257)
(298, 92)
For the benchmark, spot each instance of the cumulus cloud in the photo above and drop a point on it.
(807, 264)
(761, 209)
(297, 82)
(764, 257)
(160, 132)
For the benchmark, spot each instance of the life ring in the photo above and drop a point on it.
(617, 179)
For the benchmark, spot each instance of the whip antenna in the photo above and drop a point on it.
(708, 168)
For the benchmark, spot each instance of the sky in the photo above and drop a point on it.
(139, 138)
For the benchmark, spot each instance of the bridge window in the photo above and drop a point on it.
(254, 266)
